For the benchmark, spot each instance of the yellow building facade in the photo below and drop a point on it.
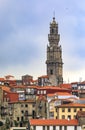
(69, 111)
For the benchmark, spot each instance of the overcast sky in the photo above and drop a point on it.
(24, 28)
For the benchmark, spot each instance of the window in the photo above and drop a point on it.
(74, 109)
(44, 91)
(34, 128)
(75, 127)
(80, 109)
(26, 113)
(22, 118)
(43, 127)
(63, 109)
(22, 105)
(17, 118)
(54, 128)
(33, 114)
(5, 93)
(69, 116)
(60, 127)
(38, 92)
(22, 111)
(52, 115)
(69, 110)
(33, 105)
(41, 92)
(52, 30)
(26, 105)
(51, 72)
(47, 127)
(63, 116)
(65, 127)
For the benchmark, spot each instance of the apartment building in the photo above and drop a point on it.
(22, 110)
(69, 111)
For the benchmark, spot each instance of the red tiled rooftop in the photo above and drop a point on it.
(52, 87)
(72, 105)
(23, 101)
(13, 97)
(56, 122)
(2, 79)
(44, 76)
(74, 82)
(7, 89)
(68, 86)
(63, 94)
(59, 94)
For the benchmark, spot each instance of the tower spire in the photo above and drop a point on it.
(54, 55)
(54, 14)
(54, 17)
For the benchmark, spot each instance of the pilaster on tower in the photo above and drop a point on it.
(54, 55)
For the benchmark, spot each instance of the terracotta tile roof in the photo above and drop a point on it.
(44, 76)
(16, 86)
(23, 101)
(72, 105)
(52, 87)
(2, 79)
(59, 94)
(13, 97)
(35, 87)
(4, 88)
(53, 122)
(74, 82)
(63, 94)
(68, 86)
(22, 86)
(50, 94)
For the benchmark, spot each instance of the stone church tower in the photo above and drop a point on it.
(54, 56)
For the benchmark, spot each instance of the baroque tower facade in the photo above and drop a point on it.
(54, 56)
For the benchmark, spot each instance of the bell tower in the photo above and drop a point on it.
(54, 56)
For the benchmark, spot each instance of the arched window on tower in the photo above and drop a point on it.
(52, 30)
(51, 72)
